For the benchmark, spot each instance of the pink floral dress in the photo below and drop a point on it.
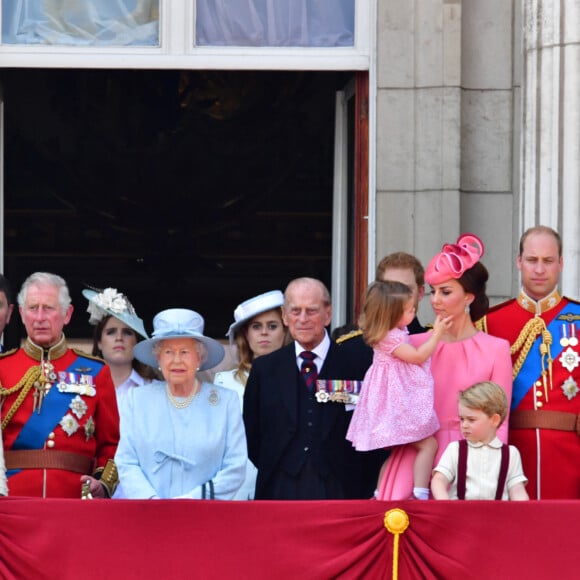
(396, 401)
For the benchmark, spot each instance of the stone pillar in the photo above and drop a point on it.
(550, 179)
(418, 127)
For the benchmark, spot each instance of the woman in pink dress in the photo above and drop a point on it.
(462, 357)
(396, 401)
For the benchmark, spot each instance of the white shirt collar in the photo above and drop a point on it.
(320, 350)
(495, 443)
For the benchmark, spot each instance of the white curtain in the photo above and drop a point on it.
(275, 22)
(81, 22)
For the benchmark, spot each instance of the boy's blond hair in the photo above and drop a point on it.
(486, 396)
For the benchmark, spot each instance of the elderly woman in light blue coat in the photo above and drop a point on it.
(181, 438)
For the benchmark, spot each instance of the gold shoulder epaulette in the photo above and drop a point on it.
(348, 336)
(84, 354)
(481, 324)
(8, 352)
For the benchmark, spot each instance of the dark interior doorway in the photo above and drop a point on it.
(179, 188)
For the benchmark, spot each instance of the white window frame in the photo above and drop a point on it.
(177, 50)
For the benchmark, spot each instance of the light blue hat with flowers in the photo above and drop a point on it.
(109, 302)
(179, 323)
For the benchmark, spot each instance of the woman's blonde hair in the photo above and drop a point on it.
(383, 308)
(245, 354)
(486, 396)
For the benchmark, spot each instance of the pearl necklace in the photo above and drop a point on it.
(186, 402)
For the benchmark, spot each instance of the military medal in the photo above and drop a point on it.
(573, 340)
(337, 391)
(564, 340)
(570, 388)
(78, 384)
(569, 359)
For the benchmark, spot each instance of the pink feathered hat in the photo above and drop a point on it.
(454, 259)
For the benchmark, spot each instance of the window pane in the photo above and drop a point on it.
(275, 23)
(81, 22)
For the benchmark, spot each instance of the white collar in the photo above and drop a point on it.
(495, 443)
(320, 350)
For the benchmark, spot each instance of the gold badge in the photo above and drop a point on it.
(89, 428)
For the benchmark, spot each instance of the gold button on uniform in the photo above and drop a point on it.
(50, 444)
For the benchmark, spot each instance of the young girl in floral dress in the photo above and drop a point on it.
(396, 402)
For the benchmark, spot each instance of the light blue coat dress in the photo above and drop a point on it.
(165, 452)
(227, 379)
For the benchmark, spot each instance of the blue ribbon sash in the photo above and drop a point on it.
(531, 370)
(54, 406)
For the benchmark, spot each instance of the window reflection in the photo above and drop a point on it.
(81, 22)
(275, 22)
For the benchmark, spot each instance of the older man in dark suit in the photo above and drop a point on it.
(297, 443)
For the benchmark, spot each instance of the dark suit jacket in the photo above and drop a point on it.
(270, 417)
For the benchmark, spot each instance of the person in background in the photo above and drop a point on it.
(257, 330)
(117, 331)
(6, 306)
(181, 438)
(463, 356)
(295, 439)
(395, 406)
(59, 413)
(542, 327)
(480, 466)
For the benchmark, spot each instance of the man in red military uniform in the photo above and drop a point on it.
(542, 328)
(59, 413)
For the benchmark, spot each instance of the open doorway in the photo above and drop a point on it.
(180, 188)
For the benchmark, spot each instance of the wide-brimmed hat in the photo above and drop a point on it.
(179, 323)
(454, 259)
(254, 306)
(109, 302)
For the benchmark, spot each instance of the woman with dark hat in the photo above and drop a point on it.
(257, 330)
(181, 438)
(117, 331)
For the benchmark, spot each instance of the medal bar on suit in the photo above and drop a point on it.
(337, 390)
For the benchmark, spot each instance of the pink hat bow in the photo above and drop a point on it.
(454, 259)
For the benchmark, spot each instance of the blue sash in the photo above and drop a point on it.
(54, 406)
(532, 368)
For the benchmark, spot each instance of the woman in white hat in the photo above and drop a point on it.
(257, 330)
(117, 331)
(181, 438)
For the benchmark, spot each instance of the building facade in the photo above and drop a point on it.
(467, 117)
